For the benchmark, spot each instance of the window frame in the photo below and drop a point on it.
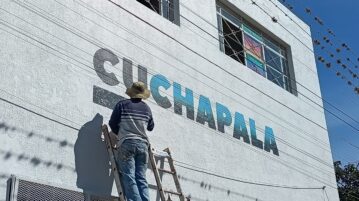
(166, 15)
(282, 52)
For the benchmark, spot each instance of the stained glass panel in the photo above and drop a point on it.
(253, 46)
(255, 64)
(252, 33)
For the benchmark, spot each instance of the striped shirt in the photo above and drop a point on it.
(130, 119)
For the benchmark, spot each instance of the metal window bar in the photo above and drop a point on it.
(234, 32)
(275, 78)
(283, 73)
(241, 29)
(168, 10)
(248, 50)
(165, 8)
(272, 68)
(252, 47)
(153, 7)
(235, 53)
(272, 59)
(286, 84)
(149, 4)
(224, 42)
(279, 54)
(236, 40)
(221, 11)
(239, 42)
(167, 5)
(224, 14)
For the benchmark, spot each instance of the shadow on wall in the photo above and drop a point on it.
(12, 130)
(92, 160)
(4, 180)
(33, 160)
(216, 189)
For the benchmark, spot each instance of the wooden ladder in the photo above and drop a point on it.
(116, 174)
(165, 154)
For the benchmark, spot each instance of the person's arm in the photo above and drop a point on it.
(151, 123)
(115, 119)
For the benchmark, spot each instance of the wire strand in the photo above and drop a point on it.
(324, 100)
(259, 106)
(201, 170)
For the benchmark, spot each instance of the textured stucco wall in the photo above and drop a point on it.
(50, 119)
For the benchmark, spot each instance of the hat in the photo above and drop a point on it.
(138, 90)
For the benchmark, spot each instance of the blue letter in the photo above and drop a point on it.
(240, 128)
(224, 117)
(180, 101)
(269, 142)
(204, 113)
(158, 81)
(255, 141)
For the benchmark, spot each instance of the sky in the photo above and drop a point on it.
(342, 17)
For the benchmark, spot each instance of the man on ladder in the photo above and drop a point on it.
(129, 121)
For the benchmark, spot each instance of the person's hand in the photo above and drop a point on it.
(114, 139)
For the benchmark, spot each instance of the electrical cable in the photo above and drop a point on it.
(320, 105)
(186, 166)
(299, 39)
(332, 105)
(31, 111)
(225, 70)
(286, 143)
(289, 166)
(249, 100)
(292, 57)
(341, 111)
(287, 15)
(349, 82)
(330, 32)
(262, 184)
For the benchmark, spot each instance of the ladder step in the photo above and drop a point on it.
(166, 171)
(172, 192)
(160, 154)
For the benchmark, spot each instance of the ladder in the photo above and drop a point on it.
(165, 154)
(111, 154)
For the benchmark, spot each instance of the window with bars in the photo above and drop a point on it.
(169, 9)
(252, 48)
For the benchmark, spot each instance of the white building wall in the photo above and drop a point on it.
(50, 125)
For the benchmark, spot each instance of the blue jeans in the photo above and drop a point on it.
(132, 161)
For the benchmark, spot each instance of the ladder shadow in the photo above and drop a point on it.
(92, 161)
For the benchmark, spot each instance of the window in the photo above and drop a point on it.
(243, 43)
(169, 9)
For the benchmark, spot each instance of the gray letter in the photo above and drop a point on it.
(128, 75)
(99, 59)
